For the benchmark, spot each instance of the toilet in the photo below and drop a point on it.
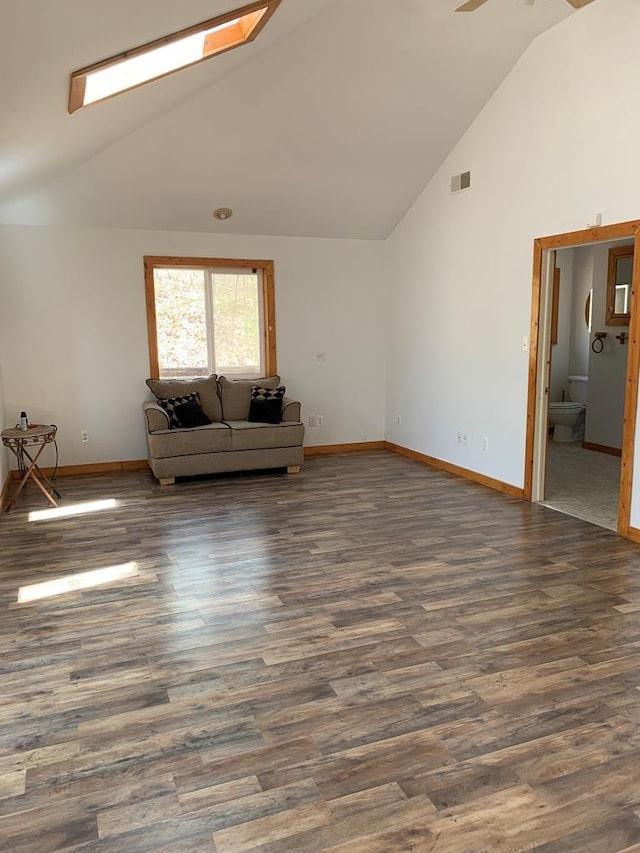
(568, 418)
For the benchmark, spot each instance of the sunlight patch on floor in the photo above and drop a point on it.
(72, 583)
(72, 509)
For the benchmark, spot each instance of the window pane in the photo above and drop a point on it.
(236, 322)
(622, 299)
(181, 322)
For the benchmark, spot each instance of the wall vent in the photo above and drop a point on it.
(460, 182)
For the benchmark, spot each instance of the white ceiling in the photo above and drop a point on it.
(329, 125)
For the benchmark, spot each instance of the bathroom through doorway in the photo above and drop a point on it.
(583, 376)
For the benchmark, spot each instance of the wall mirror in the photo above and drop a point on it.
(619, 277)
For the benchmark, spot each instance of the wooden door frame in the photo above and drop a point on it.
(573, 239)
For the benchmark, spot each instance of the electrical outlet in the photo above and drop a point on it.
(312, 420)
(459, 437)
(465, 439)
(320, 420)
(485, 444)
(399, 419)
(84, 436)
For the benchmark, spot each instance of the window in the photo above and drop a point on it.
(210, 315)
(170, 53)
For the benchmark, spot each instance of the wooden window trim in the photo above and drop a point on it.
(611, 317)
(152, 262)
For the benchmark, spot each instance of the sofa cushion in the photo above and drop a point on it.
(236, 395)
(251, 436)
(266, 404)
(190, 414)
(170, 404)
(206, 387)
(187, 442)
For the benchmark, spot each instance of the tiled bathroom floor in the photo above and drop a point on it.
(583, 483)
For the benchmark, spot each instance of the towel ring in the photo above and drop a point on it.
(596, 341)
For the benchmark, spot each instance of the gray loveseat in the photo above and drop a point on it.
(230, 442)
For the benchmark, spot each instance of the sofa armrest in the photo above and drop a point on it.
(290, 410)
(156, 417)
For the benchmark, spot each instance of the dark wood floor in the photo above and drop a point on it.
(369, 656)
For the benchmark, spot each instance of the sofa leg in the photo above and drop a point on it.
(293, 469)
(166, 481)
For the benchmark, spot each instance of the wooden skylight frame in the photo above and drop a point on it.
(220, 34)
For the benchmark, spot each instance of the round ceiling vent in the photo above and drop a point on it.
(223, 213)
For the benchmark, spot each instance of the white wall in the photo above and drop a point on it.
(543, 160)
(560, 352)
(608, 369)
(583, 272)
(73, 333)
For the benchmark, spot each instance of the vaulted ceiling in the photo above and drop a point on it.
(328, 125)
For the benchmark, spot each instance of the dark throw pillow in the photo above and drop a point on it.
(266, 405)
(191, 414)
(169, 404)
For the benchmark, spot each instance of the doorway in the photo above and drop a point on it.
(542, 317)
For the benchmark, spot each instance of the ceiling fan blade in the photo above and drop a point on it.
(471, 5)
(578, 4)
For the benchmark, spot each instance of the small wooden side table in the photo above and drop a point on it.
(19, 441)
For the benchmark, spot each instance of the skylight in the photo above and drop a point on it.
(171, 53)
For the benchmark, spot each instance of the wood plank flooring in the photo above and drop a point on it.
(367, 656)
